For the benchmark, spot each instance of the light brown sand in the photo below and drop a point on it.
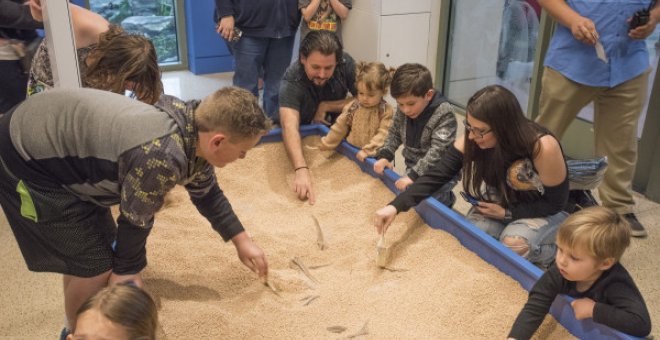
(203, 291)
(443, 289)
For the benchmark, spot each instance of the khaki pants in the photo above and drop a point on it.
(616, 111)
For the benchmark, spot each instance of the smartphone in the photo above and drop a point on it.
(468, 198)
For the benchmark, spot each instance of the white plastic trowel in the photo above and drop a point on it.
(382, 252)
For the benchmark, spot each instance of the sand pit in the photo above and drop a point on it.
(434, 288)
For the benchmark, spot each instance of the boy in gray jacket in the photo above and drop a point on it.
(424, 123)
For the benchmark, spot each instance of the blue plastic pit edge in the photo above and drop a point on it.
(492, 251)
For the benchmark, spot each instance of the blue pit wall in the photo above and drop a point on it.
(438, 216)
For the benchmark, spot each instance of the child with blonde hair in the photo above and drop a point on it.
(366, 119)
(122, 311)
(590, 244)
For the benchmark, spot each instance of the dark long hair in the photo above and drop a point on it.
(516, 136)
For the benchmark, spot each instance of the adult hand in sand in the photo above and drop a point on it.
(135, 279)
(384, 217)
(302, 185)
(251, 255)
(381, 165)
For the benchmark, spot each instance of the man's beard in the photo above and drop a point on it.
(320, 81)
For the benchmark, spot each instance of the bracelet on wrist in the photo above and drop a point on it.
(301, 167)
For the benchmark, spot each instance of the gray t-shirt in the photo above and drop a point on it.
(325, 18)
(299, 93)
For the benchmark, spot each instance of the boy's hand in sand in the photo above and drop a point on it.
(381, 165)
(302, 185)
(403, 183)
(361, 155)
(384, 217)
(251, 255)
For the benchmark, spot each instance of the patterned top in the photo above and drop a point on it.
(41, 73)
(325, 18)
(366, 127)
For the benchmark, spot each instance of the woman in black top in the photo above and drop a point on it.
(512, 166)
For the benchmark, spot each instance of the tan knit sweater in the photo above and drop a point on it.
(366, 127)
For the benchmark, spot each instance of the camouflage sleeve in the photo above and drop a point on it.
(393, 140)
(146, 173)
(442, 136)
(212, 203)
(40, 77)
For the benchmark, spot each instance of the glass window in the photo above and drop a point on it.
(491, 42)
(155, 19)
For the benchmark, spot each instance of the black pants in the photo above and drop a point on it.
(13, 84)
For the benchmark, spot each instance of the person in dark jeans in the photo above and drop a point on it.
(264, 46)
(17, 27)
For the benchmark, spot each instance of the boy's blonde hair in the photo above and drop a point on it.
(234, 111)
(374, 75)
(411, 80)
(598, 230)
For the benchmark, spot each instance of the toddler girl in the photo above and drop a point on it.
(366, 119)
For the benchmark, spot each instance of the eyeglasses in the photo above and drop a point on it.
(477, 132)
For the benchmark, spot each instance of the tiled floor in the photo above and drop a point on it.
(187, 86)
(641, 259)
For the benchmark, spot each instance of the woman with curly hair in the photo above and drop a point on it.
(108, 57)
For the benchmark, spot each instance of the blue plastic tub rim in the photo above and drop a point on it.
(438, 216)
